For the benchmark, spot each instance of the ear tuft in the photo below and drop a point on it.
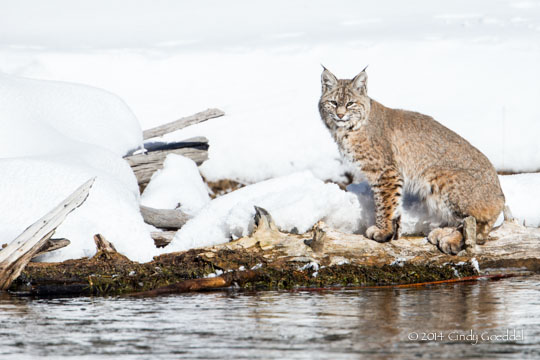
(328, 80)
(360, 82)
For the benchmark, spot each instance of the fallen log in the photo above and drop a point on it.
(144, 165)
(322, 257)
(182, 123)
(15, 256)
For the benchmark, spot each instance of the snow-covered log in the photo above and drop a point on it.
(144, 165)
(15, 256)
(182, 123)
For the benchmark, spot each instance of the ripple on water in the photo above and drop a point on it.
(281, 325)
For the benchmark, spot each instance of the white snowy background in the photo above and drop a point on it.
(473, 65)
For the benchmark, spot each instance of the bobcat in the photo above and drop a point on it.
(399, 150)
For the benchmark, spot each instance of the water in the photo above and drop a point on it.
(346, 324)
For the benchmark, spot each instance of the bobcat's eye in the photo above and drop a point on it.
(350, 103)
(334, 103)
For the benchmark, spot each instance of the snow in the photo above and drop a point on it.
(55, 137)
(177, 185)
(40, 112)
(474, 263)
(522, 192)
(471, 65)
(295, 201)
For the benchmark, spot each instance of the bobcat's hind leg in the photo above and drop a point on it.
(387, 196)
(449, 240)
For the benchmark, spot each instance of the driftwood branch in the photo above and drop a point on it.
(182, 123)
(144, 165)
(51, 245)
(15, 256)
(164, 218)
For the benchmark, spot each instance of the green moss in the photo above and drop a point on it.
(357, 275)
(106, 275)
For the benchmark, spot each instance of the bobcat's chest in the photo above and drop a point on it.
(353, 149)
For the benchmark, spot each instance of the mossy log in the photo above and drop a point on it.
(271, 259)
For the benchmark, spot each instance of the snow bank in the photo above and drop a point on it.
(56, 136)
(522, 193)
(471, 65)
(295, 201)
(177, 185)
(40, 112)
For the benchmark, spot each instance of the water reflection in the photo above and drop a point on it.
(292, 325)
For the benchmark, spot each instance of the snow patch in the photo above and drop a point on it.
(55, 136)
(475, 265)
(294, 201)
(177, 185)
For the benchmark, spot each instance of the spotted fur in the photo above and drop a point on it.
(400, 150)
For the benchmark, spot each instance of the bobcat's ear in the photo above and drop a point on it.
(328, 80)
(360, 82)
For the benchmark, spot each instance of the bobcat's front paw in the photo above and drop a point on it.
(373, 232)
(449, 240)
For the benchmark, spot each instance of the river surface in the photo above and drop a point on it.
(440, 321)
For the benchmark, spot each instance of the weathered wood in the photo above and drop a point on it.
(507, 213)
(103, 244)
(105, 251)
(511, 245)
(164, 218)
(145, 165)
(51, 245)
(469, 234)
(15, 256)
(319, 258)
(162, 238)
(182, 123)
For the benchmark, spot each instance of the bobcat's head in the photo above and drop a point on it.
(344, 103)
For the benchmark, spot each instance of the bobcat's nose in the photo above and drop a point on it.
(340, 116)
